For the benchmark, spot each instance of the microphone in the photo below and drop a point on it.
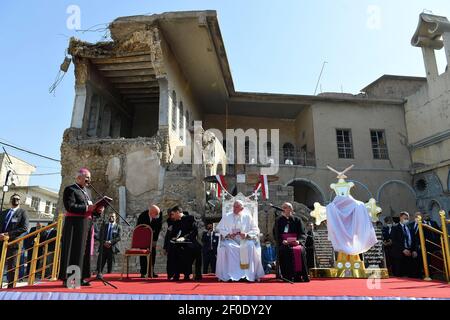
(275, 207)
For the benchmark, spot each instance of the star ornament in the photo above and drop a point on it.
(319, 213)
(372, 209)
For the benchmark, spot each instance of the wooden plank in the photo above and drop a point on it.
(143, 57)
(148, 100)
(139, 91)
(140, 85)
(131, 79)
(140, 96)
(128, 73)
(124, 66)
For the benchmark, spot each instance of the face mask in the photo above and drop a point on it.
(389, 225)
(267, 245)
(405, 221)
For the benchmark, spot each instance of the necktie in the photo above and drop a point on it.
(7, 220)
(211, 242)
(109, 232)
(407, 244)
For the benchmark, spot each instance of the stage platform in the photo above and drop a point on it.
(210, 288)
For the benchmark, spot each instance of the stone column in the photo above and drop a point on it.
(429, 59)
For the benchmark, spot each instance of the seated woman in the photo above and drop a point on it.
(290, 235)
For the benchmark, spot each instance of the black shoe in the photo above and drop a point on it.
(142, 275)
(306, 279)
(85, 283)
(176, 278)
(198, 277)
(155, 275)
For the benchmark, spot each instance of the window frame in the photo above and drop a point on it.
(381, 150)
(347, 154)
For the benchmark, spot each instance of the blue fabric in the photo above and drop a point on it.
(268, 256)
(7, 220)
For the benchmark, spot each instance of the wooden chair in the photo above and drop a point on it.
(141, 245)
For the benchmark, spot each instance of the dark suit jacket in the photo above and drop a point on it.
(101, 235)
(75, 200)
(206, 240)
(156, 224)
(186, 228)
(398, 241)
(18, 224)
(296, 226)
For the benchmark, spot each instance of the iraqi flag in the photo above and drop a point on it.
(264, 185)
(221, 185)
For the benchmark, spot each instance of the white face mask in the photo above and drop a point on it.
(405, 221)
(389, 225)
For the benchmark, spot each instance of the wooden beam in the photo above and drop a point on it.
(132, 79)
(140, 85)
(140, 96)
(123, 66)
(139, 91)
(144, 57)
(147, 100)
(128, 73)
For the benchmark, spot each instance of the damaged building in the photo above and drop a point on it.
(138, 96)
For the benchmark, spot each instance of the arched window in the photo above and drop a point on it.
(288, 153)
(174, 110)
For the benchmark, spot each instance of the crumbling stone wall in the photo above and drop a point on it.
(137, 165)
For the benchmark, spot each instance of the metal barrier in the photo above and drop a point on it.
(39, 253)
(444, 247)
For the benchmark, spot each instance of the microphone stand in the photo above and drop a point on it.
(102, 242)
(109, 204)
(100, 258)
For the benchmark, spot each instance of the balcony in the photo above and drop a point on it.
(297, 157)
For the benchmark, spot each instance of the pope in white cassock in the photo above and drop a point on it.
(238, 256)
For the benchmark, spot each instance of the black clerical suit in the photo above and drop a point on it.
(181, 255)
(402, 238)
(309, 246)
(295, 226)
(210, 241)
(156, 225)
(77, 232)
(107, 232)
(387, 246)
(15, 223)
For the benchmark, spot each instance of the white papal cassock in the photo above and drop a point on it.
(238, 258)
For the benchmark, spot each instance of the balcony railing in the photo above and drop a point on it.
(297, 158)
(287, 157)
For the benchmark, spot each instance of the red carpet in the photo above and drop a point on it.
(209, 287)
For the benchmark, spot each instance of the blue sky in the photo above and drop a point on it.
(272, 46)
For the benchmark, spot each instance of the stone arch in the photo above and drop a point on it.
(400, 197)
(448, 181)
(434, 206)
(307, 192)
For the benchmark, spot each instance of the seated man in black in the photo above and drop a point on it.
(181, 244)
(289, 233)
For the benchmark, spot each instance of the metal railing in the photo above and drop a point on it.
(43, 260)
(443, 246)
